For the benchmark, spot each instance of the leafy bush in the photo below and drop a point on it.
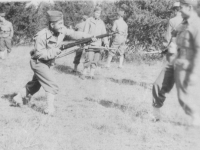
(147, 19)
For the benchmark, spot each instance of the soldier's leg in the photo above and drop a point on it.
(2, 48)
(46, 78)
(8, 43)
(121, 50)
(26, 93)
(163, 84)
(188, 97)
(31, 87)
(181, 90)
(111, 53)
(77, 59)
(94, 63)
(87, 64)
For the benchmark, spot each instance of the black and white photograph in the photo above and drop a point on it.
(100, 75)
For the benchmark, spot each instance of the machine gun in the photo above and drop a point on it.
(81, 42)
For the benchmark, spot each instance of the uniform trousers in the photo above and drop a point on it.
(77, 57)
(188, 91)
(92, 58)
(43, 76)
(163, 84)
(119, 45)
(5, 43)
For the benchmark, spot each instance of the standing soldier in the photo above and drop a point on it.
(6, 34)
(94, 26)
(119, 40)
(79, 27)
(165, 81)
(187, 64)
(47, 47)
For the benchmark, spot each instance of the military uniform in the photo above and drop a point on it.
(79, 27)
(119, 38)
(46, 48)
(165, 81)
(94, 27)
(42, 59)
(6, 34)
(187, 67)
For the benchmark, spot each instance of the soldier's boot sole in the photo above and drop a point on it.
(18, 99)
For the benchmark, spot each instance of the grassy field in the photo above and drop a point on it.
(109, 113)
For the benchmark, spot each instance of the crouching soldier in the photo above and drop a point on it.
(46, 47)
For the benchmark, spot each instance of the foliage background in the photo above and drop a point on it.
(147, 19)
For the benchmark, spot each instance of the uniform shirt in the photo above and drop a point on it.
(46, 44)
(120, 27)
(6, 29)
(172, 26)
(95, 27)
(188, 42)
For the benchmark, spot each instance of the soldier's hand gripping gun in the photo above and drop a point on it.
(80, 43)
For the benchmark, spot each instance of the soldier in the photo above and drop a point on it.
(187, 64)
(79, 27)
(94, 26)
(119, 40)
(46, 48)
(6, 34)
(165, 81)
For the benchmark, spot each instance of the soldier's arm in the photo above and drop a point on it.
(168, 35)
(86, 28)
(114, 27)
(103, 31)
(76, 35)
(41, 51)
(192, 65)
(196, 60)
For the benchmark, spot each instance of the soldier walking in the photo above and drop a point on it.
(165, 81)
(187, 64)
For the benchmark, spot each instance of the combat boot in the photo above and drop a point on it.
(156, 116)
(82, 76)
(92, 71)
(108, 61)
(23, 97)
(50, 104)
(18, 99)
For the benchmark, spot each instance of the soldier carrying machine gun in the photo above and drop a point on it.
(82, 42)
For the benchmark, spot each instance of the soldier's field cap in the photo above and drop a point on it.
(97, 9)
(190, 2)
(120, 13)
(54, 15)
(176, 4)
(2, 14)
